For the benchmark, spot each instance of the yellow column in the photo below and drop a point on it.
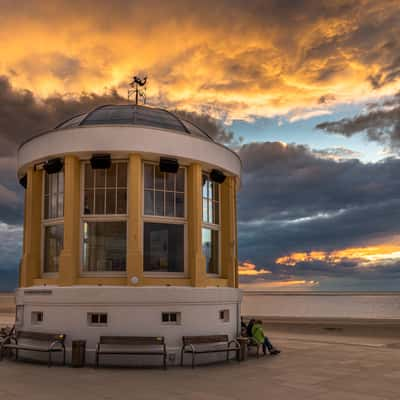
(69, 264)
(228, 231)
(197, 263)
(134, 265)
(30, 266)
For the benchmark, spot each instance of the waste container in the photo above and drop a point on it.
(78, 353)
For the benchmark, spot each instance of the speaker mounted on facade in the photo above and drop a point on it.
(169, 165)
(24, 181)
(53, 166)
(100, 161)
(217, 176)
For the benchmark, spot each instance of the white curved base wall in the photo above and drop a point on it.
(131, 311)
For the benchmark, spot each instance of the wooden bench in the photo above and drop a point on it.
(49, 343)
(201, 345)
(6, 335)
(138, 345)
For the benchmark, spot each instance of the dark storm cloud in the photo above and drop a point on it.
(292, 200)
(381, 123)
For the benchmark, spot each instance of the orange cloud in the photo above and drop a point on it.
(270, 61)
(364, 256)
(246, 268)
(276, 285)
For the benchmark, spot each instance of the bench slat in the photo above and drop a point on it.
(132, 340)
(40, 336)
(206, 339)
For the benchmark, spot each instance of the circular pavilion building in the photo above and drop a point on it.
(130, 229)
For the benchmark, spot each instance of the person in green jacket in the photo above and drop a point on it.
(257, 333)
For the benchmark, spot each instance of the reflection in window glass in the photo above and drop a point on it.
(106, 189)
(104, 246)
(54, 195)
(164, 193)
(210, 245)
(210, 200)
(210, 231)
(163, 247)
(53, 244)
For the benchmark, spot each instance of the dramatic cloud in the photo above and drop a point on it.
(381, 123)
(233, 59)
(313, 218)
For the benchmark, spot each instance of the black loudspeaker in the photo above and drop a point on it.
(217, 176)
(53, 166)
(169, 165)
(24, 181)
(100, 161)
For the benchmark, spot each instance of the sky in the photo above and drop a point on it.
(306, 92)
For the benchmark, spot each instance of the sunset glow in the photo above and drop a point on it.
(363, 255)
(246, 268)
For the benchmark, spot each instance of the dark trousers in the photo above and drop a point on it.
(267, 345)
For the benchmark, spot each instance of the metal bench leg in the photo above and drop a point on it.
(182, 357)
(64, 357)
(49, 360)
(165, 361)
(97, 359)
(16, 354)
(193, 359)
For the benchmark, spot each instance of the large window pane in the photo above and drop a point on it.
(168, 192)
(54, 195)
(104, 246)
(149, 202)
(210, 201)
(53, 244)
(122, 181)
(106, 189)
(210, 246)
(163, 247)
(148, 176)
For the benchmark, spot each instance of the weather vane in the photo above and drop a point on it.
(138, 88)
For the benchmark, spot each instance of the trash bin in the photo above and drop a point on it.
(78, 353)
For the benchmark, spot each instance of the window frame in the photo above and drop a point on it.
(101, 218)
(46, 222)
(168, 220)
(213, 226)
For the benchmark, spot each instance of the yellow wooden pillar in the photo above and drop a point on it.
(228, 230)
(134, 265)
(30, 266)
(197, 263)
(69, 262)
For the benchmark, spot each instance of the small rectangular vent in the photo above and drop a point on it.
(171, 318)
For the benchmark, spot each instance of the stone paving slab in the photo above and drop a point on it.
(305, 370)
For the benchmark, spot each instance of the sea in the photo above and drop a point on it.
(348, 305)
(357, 305)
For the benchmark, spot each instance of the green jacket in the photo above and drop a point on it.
(257, 333)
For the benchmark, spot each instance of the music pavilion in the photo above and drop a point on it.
(130, 229)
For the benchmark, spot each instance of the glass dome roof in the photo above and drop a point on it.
(134, 115)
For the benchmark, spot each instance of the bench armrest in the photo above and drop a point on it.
(55, 343)
(192, 348)
(235, 342)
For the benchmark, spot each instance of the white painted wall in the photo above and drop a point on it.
(131, 311)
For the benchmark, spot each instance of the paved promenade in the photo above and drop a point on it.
(309, 368)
